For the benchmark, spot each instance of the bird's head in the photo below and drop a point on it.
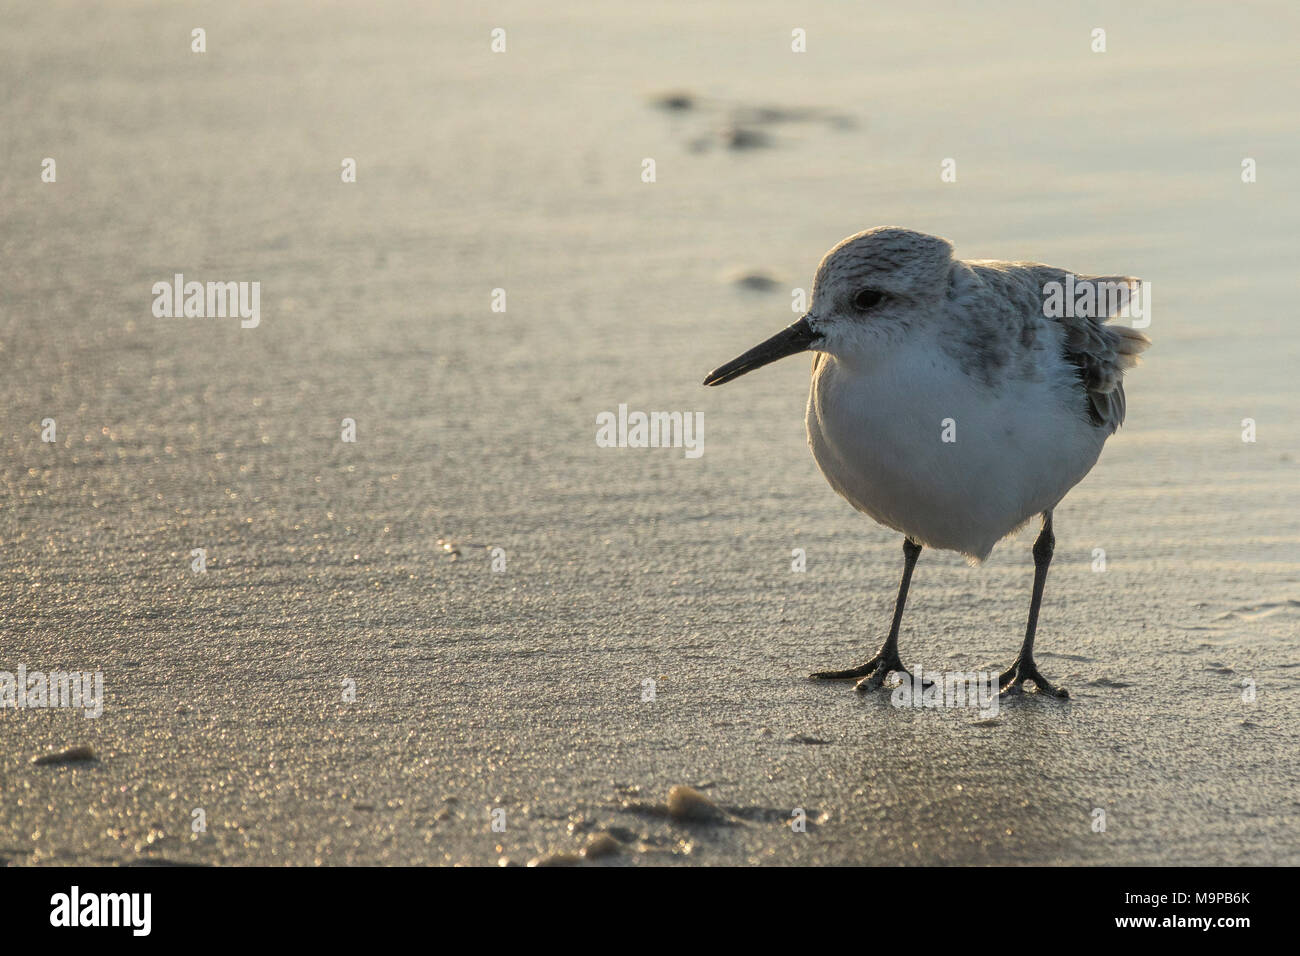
(869, 291)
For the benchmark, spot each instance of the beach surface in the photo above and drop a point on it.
(472, 635)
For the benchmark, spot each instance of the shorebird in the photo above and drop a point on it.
(953, 401)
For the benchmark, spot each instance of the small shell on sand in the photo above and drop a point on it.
(687, 803)
(78, 754)
(601, 844)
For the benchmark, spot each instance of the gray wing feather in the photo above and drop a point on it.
(1101, 352)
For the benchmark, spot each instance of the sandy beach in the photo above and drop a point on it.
(431, 645)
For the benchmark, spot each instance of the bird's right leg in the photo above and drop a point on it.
(1014, 677)
(886, 661)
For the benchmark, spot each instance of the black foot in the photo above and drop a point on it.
(1013, 679)
(873, 672)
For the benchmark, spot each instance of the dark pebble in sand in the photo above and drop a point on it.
(804, 739)
(756, 281)
(676, 101)
(79, 754)
(738, 137)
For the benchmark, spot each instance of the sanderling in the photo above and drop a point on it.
(948, 404)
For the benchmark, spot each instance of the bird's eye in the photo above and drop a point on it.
(867, 299)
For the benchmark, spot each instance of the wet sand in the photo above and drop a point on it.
(481, 690)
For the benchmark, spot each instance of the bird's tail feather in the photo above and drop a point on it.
(1129, 344)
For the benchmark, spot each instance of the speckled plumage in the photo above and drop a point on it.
(1031, 398)
(993, 310)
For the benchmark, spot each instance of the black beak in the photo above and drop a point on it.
(789, 341)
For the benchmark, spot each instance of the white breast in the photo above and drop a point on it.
(878, 435)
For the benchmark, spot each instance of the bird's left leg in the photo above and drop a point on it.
(1024, 668)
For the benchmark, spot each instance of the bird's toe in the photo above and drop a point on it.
(851, 673)
(1012, 681)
